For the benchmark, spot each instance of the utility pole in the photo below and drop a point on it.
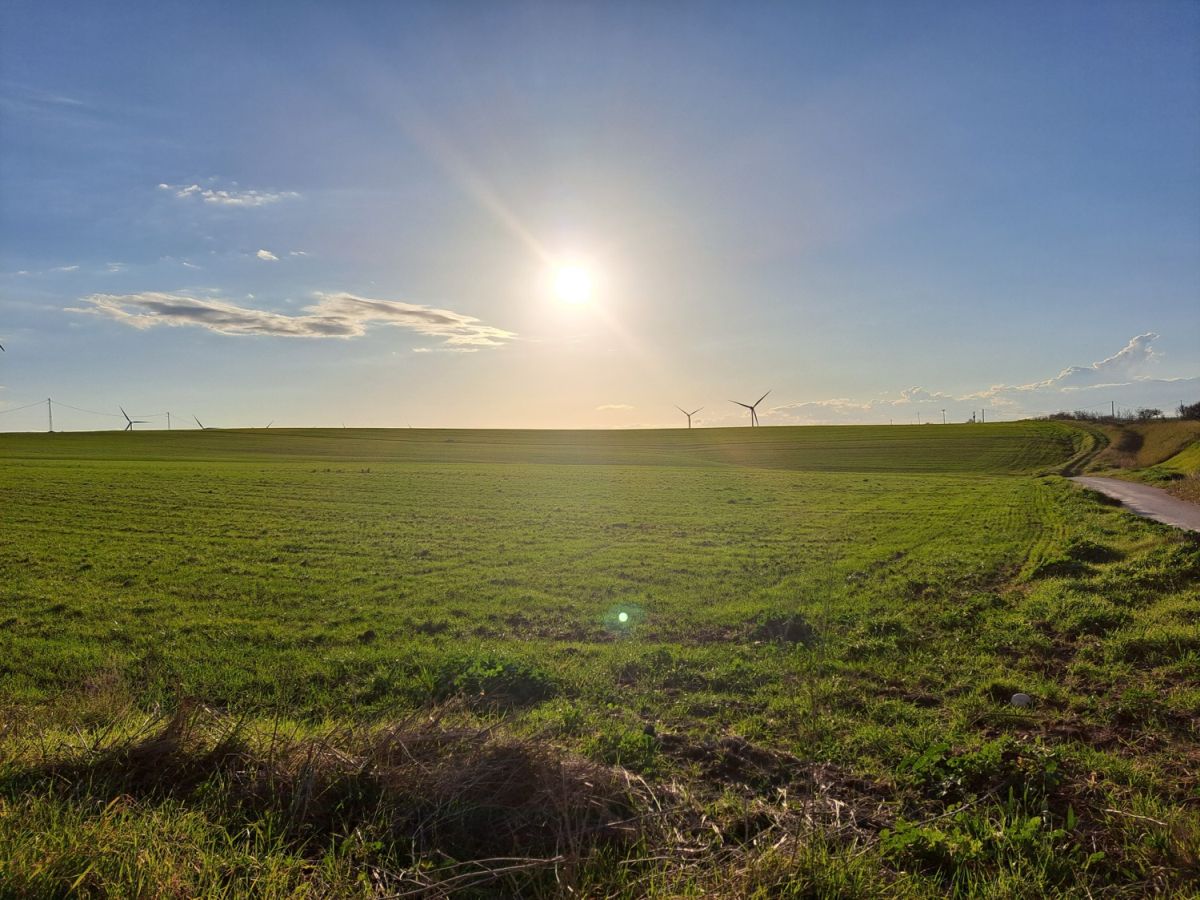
(168, 420)
(50, 414)
(943, 417)
(1113, 404)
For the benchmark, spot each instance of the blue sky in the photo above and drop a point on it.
(352, 212)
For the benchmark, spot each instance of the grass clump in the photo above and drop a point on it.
(415, 794)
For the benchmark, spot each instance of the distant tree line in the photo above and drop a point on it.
(1125, 416)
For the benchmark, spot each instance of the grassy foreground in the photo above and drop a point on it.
(724, 662)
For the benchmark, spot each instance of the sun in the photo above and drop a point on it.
(573, 284)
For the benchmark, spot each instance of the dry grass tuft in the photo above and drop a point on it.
(458, 792)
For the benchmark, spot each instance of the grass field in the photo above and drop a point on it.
(718, 662)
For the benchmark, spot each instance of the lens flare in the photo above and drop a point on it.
(624, 619)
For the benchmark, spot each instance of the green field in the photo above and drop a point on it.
(670, 663)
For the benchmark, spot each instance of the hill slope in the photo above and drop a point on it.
(1016, 447)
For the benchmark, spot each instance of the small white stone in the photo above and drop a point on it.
(1021, 699)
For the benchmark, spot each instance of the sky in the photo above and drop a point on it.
(318, 214)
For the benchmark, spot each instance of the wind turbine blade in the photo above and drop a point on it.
(740, 403)
(125, 414)
(198, 422)
(696, 410)
(682, 410)
(761, 399)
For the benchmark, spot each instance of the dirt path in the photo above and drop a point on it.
(1151, 502)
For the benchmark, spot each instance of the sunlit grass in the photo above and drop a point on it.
(799, 669)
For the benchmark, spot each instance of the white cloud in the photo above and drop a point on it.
(920, 395)
(267, 256)
(234, 197)
(613, 406)
(1118, 379)
(65, 269)
(114, 267)
(340, 315)
(298, 253)
(1126, 365)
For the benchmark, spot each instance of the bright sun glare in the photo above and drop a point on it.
(573, 284)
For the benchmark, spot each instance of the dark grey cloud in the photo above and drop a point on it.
(339, 315)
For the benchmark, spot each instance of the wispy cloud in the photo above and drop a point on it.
(230, 197)
(844, 410)
(54, 270)
(267, 256)
(16, 93)
(340, 315)
(613, 406)
(23, 100)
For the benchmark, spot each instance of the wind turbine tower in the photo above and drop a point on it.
(689, 414)
(753, 407)
(129, 423)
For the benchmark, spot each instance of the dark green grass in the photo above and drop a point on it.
(854, 602)
(999, 448)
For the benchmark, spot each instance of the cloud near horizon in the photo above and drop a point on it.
(225, 197)
(1119, 379)
(605, 407)
(1126, 365)
(340, 315)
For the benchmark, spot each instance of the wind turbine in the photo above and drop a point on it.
(753, 407)
(129, 423)
(689, 414)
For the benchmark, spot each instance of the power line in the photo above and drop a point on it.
(19, 408)
(90, 411)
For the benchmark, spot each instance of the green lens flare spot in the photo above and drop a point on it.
(622, 617)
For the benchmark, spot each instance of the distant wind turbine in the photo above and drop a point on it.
(689, 414)
(129, 423)
(753, 407)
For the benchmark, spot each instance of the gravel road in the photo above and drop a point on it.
(1151, 502)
